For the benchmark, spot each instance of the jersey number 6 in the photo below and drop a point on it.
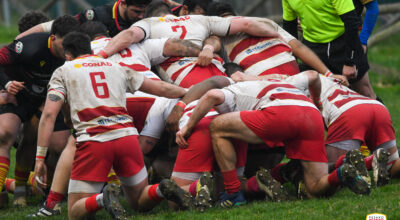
(183, 34)
(97, 85)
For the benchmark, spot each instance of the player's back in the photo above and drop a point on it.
(95, 89)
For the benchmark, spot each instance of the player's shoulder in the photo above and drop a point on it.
(32, 45)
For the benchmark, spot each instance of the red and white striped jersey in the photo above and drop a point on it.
(194, 28)
(261, 55)
(139, 57)
(154, 117)
(189, 111)
(263, 94)
(336, 99)
(95, 89)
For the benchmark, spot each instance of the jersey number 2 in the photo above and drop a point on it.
(175, 29)
(97, 85)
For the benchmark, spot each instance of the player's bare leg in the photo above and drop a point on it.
(222, 129)
(9, 126)
(363, 86)
(333, 154)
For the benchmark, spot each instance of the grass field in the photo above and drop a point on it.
(385, 76)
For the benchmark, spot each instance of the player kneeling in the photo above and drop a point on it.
(95, 90)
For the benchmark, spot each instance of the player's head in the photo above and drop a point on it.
(220, 9)
(94, 29)
(31, 19)
(231, 68)
(157, 9)
(76, 44)
(133, 10)
(61, 27)
(194, 7)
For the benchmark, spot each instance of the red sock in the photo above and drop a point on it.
(91, 204)
(4, 166)
(8, 184)
(252, 185)
(53, 199)
(276, 173)
(368, 161)
(339, 162)
(153, 193)
(231, 181)
(333, 178)
(192, 188)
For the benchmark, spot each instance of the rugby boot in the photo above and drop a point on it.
(174, 193)
(44, 211)
(274, 190)
(351, 179)
(3, 198)
(379, 163)
(230, 200)
(204, 191)
(355, 158)
(111, 203)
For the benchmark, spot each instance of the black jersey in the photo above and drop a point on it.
(30, 60)
(108, 15)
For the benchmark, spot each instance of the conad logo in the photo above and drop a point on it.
(376, 216)
(78, 65)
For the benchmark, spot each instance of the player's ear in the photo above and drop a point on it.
(52, 37)
(68, 57)
(184, 10)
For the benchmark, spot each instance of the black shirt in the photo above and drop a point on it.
(108, 15)
(30, 60)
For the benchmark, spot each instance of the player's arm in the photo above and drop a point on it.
(43, 27)
(160, 88)
(314, 86)
(194, 93)
(371, 16)
(206, 103)
(172, 3)
(251, 27)
(180, 48)
(51, 109)
(211, 45)
(122, 40)
(6, 57)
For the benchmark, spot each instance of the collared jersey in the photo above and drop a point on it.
(95, 89)
(194, 28)
(139, 57)
(108, 15)
(30, 60)
(320, 19)
(261, 55)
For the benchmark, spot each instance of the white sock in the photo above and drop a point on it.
(99, 200)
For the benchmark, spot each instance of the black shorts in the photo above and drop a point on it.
(333, 56)
(27, 108)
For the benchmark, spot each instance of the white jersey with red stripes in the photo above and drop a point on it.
(194, 28)
(261, 55)
(95, 89)
(189, 111)
(336, 99)
(263, 94)
(157, 115)
(139, 57)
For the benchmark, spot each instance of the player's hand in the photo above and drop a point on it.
(181, 136)
(14, 87)
(238, 76)
(205, 57)
(350, 72)
(172, 123)
(41, 173)
(341, 79)
(6, 97)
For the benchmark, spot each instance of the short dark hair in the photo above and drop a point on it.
(156, 9)
(139, 3)
(220, 9)
(191, 4)
(231, 68)
(31, 19)
(77, 44)
(93, 29)
(63, 25)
